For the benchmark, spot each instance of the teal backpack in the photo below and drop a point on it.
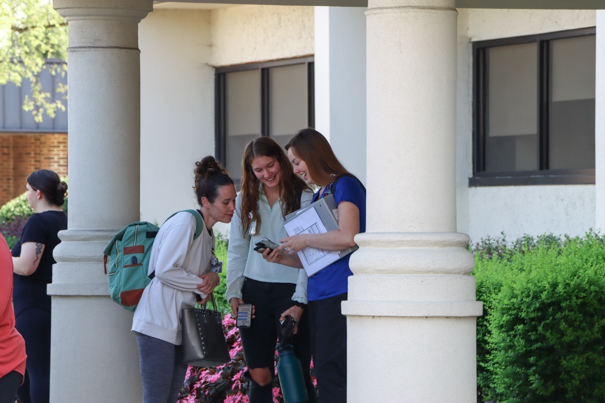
(126, 259)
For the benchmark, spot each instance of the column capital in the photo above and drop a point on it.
(97, 9)
(422, 4)
(103, 23)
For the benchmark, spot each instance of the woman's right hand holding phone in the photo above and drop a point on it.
(272, 256)
(235, 303)
(278, 256)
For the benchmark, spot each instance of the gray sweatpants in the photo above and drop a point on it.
(162, 370)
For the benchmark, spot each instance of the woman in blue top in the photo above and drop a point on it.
(270, 191)
(312, 158)
(32, 262)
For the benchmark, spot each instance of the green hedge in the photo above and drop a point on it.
(14, 214)
(222, 244)
(541, 338)
(17, 207)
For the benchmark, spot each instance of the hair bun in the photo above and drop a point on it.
(61, 193)
(209, 176)
(207, 167)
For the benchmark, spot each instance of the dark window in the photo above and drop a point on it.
(272, 99)
(534, 109)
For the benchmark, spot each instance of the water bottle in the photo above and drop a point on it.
(291, 376)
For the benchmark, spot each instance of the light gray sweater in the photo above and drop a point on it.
(178, 260)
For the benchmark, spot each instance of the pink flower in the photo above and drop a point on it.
(233, 352)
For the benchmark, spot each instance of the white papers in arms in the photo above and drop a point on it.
(312, 259)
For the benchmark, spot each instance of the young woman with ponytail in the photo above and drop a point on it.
(32, 265)
(182, 267)
(270, 191)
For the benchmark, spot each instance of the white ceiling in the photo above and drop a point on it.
(188, 6)
(536, 4)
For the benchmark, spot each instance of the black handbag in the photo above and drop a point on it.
(204, 342)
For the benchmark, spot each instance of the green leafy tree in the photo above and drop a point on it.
(31, 32)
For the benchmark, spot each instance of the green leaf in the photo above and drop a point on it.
(31, 32)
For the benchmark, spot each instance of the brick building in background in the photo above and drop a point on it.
(23, 153)
(26, 145)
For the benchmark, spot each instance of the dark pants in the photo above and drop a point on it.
(9, 384)
(34, 326)
(162, 369)
(329, 341)
(258, 341)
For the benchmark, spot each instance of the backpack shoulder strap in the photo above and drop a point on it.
(333, 185)
(199, 221)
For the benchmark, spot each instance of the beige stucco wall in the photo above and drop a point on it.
(517, 210)
(179, 50)
(177, 108)
(180, 47)
(245, 34)
(497, 23)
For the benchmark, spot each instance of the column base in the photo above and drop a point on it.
(94, 355)
(402, 359)
(407, 309)
(412, 309)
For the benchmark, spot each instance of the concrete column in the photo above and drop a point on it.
(411, 311)
(340, 83)
(600, 123)
(94, 356)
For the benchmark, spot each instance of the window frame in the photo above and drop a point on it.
(221, 98)
(544, 175)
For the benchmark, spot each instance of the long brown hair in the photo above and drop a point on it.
(291, 185)
(312, 147)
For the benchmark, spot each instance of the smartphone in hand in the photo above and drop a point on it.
(265, 243)
(244, 315)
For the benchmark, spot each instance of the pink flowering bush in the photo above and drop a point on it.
(225, 383)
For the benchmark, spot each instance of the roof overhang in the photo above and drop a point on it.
(527, 4)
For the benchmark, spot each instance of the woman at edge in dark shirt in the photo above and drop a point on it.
(32, 261)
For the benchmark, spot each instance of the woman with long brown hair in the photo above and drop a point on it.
(270, 191)
(312, 157)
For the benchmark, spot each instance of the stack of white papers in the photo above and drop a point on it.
(308, 222)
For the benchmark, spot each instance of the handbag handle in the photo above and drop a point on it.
(198, 299)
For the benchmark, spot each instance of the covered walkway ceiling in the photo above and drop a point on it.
(529, 4)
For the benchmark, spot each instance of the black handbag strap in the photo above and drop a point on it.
(198, 298)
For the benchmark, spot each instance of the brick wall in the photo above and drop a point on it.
(21, 154)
